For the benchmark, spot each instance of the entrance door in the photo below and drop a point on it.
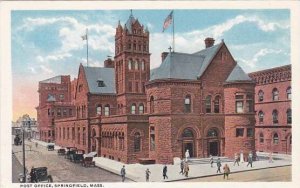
(214, 148)
(188, 146)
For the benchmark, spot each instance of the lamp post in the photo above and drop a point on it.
(23, 148)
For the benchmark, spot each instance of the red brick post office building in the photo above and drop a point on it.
(273, 109)
(202, 102)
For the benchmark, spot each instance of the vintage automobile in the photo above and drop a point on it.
(50, 147)
(17, 140)
(40, 173)
(70, 150)
(61, 151)
(77, 156)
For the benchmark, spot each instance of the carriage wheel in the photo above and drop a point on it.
(50, 179)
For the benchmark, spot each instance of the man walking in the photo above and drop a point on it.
(226, 171)
(147, 174)
(250, 160)
(211, 161)
(181, 167)
(123, 173)
(186, 169)
(236, 159)
(219, 165)
(165, 169)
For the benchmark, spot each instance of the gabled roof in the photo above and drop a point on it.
(107, 75)
(131, 20)
(238, 74)
(185, 66)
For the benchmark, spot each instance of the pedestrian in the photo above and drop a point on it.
(250, 160)
(187, 155)
(36, 145)
(270, 157)
(219, 165)
(147, 174)
(186, 169)
(236, 159)
(211, 160)
(165, 169)
(123, 173)
(32, 175)
(226, 171)
(181, 166)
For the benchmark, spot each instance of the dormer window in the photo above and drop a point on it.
(100, 83)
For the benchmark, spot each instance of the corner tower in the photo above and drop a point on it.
(132, 64)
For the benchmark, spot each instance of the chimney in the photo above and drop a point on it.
(108, 63)
(209, 42)
(163, 56)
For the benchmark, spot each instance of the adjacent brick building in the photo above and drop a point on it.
(273, 94)
(202, 102)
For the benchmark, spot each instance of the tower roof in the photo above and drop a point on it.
(131, 20)
(238, 74)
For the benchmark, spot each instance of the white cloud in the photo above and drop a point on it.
(46, 69)
(52, 57)
(252, 63)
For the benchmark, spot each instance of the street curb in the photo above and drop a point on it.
(189, 178)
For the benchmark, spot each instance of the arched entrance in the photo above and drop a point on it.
(188, 142)
(213, 142)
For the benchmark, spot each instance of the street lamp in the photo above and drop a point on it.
(23, 148)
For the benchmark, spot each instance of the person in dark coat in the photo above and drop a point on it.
(219, 165)
(226, 171)
(147, 174)
(236, 159)
(250, 160)
(181, 167)
(165, 169)
(123, 173)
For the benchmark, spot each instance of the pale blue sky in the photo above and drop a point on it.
(48, 43)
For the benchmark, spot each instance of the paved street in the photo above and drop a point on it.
(17, 168)
(264, 175)
(60, 168)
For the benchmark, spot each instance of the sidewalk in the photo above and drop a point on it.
(198, 167)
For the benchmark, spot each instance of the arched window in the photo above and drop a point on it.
(217, 104)
(107, 110)
(132, 109)
(136, 65)
(187, 133)
(137, 142)
(141, 109)
(143, 65)
(289, 116)
(151, 104)
(208, 104)
(99, 110)
(261, 138)
(212, 133)
(289, 93)
(187, 104)
(275, 116)
(275, 94)
(275, 138)
(130, 64)
(261, 116)
(260, 96)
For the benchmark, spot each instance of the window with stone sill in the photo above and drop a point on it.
(250, 132)
(275, 94)
(239, 103)
(289, 93)
(261, 138)
(107, 110)
(289, 116)
(141, 109)
(275, 139)
(249, 103)
(187, 104)
(239, 132)
(137, 142)
(133, 108)
(99, 110)
(260, 117)
(260, 96)
(208, 104)
(217, 104)
(275, 116)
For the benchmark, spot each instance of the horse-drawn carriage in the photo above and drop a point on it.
(77, 156)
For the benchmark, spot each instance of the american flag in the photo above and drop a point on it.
(168, 21)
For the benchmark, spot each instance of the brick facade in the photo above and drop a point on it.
(145, 120)
(266, 127)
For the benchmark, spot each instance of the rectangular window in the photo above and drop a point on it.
(152, 139)
(59, 112)
(73, 133)
(239, 106)
(78, 135)
(64, 112)
(239, 132)
(70, 112)
(249, 132)
(61, 96)
(137, 87)
(68, 133)
(249, 103)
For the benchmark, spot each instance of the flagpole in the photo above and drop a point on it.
(173, 31)
(87, 48)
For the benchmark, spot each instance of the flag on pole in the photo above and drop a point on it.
(168, 21)
(84, 37)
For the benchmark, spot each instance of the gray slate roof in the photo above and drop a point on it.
(54, 80)
(185, 66)
(238, 74)
(93, 74)
(129, 23)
